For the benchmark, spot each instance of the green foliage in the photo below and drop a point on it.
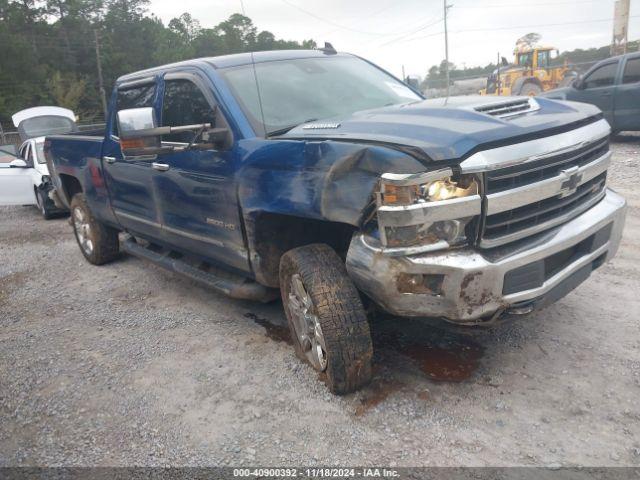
(48, 49)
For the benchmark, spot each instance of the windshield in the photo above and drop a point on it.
(300, 90)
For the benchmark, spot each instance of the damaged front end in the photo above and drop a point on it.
(431, 249)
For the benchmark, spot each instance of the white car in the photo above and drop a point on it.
(24, 180)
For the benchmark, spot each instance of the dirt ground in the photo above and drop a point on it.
(126, 364)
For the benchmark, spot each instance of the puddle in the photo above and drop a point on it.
(440, 355)
(376, 393)
(279, 333)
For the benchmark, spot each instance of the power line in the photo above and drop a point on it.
(337, 25)
(526, 5)
(423, 27)
(491, 29)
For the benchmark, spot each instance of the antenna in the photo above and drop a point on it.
(255, 77)
(328, 49)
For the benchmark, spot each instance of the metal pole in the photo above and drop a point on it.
(446, 46)
(100, 80)
(404, 77)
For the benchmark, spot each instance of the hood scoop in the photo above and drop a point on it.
(509, 108)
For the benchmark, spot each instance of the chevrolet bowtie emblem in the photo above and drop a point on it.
(570, 185)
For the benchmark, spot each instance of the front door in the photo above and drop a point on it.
(627, 101)
(599, 87)
(197, 197)
(130, 179)
(16, 183)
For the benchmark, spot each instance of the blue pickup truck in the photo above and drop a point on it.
(321, 176)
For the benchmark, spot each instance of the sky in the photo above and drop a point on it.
(409, 33)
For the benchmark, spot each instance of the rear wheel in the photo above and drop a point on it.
(326, 319)
(98, 243)
(530, 89)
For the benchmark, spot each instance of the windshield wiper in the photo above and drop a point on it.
(283, 130)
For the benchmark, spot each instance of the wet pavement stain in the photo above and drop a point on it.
(375, 393)
(279, 333)
(441, 355)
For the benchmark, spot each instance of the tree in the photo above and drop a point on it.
(529, 40)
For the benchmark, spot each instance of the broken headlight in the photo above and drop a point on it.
(431, 209)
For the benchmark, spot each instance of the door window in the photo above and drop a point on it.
(543, 58)
(29, 158)
(40, 153)
(632, 71)
(603, 76)
(134, 97)
(184, 104)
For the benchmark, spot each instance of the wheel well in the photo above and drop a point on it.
(272, 235)
(70, 185)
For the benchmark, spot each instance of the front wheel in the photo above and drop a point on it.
(98, 243)
(326, 319)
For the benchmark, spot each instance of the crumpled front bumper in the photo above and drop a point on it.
(474, 285)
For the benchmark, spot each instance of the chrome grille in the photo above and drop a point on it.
(531, 172)
(533, 196)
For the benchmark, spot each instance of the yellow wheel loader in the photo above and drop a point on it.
(532, 73)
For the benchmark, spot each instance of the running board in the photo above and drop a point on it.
(222, 281)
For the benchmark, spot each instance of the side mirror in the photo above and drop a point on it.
(140, 135)
(578, 83)
(504, 62)
(18, 163)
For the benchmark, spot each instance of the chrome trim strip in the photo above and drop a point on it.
(519, 153)
(534, 192)
(494, 242)
(175, 231)
(135, 218)
(429, 212)
(193, 236)
(403, 179)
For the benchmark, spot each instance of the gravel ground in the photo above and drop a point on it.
(127, 364)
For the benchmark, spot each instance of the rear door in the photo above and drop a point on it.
(130, 179)
(16, 183)
(196, 188)
(627, 100)
(599, 87)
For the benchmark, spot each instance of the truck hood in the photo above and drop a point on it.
(446, 129)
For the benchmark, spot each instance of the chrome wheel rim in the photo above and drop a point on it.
(83, 230)
(306, 324)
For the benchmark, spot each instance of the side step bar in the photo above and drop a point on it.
(231, 285)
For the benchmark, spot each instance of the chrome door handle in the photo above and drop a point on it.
(109, 159)
(163, 167)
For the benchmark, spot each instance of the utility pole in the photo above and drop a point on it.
(446, 44)
(100, 80)
(620, 27)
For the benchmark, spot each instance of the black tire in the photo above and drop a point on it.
(104, 240)
(43, 205)
(337, 308)
(530, 89)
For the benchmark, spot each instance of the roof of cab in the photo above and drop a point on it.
(234, 60)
